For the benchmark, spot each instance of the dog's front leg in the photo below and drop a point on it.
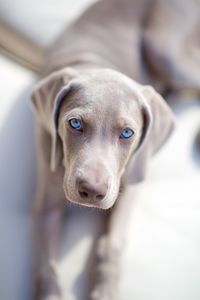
(110, 248)
(47, 220)
(47, 223)
(47, 231)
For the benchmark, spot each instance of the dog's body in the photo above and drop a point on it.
(107, 35)
(97, 129)
(146, 40)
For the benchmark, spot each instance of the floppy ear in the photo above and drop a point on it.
(158, 124)
(47, 98)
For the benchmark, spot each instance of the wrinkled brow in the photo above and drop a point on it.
(124, 122)
(78, 111)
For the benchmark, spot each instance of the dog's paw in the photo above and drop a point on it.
(47, 288)
(103, 292)
(107, 271)
(51, 297)
(49, 292)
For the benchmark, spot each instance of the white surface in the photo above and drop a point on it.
(162, 259)
(17, 181)
(41, 21)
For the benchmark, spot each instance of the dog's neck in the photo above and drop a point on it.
(92, 61)
(80, 62)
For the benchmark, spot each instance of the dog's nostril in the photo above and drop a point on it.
(99, 197)
(92, 192)
(83, 194)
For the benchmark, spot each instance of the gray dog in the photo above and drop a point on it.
(98, 126)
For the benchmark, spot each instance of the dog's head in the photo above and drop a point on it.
(104, 127)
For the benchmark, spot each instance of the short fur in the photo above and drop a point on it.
(94, 72)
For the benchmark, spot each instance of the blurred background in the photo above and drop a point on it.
(162, 257)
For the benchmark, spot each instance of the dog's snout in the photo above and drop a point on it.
(92, 191)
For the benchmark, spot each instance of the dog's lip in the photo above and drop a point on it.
(95, 204)
(74, 197)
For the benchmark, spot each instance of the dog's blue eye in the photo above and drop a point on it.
(126, 133)
(75, 124)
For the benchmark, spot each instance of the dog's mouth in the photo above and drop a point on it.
(74, 196)
(102, 205)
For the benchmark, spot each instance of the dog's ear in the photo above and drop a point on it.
(158, 124)
(47, 98)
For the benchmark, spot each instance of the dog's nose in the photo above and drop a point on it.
(92, 191)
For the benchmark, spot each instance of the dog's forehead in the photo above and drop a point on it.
(107, 87)
(110, 83)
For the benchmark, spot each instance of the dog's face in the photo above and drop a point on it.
(102, 120)
(100, 125)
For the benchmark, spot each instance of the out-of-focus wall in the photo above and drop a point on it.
(39, 20)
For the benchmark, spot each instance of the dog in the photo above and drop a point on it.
(98, 125)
